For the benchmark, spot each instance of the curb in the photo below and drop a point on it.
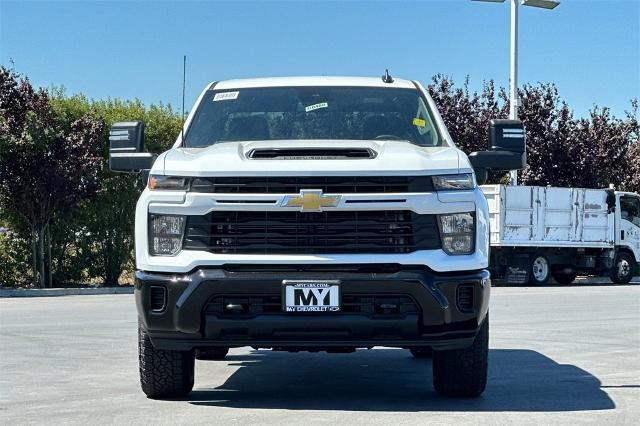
(52, 292)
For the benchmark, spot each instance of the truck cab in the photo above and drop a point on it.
(312, 213)
(627, 235)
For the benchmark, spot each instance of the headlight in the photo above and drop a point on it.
(448, 182)
(168, 182)
(165, 234)
(457, 232)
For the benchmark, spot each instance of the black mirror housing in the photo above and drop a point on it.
(496, 160)
(507, 135)
(126, 136)
(131, 163)
(507, 149)
(126, 146)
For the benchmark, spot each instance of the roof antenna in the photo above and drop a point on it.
(184, 79)
(386, 78)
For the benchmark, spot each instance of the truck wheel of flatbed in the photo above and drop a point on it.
(539, 270)
(463, 372)
(425, 352)
(164, 374)
(622, 270)
(212, 354)
(565, 277)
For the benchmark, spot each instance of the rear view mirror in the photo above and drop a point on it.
(508, 136)
(507, 149)
(126, 145)
(496, 160)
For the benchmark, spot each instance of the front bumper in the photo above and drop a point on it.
(186, 320)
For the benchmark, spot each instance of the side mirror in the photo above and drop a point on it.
(507, 149)
(508, 136)
(126, 146)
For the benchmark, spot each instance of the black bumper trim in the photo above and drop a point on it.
(207, 275)
(184, 323)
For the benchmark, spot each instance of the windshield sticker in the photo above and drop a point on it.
(225, 96)
(419, 122)
(316, 106)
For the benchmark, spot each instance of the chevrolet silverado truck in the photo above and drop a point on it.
(308, 214)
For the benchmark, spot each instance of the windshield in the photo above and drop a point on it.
(630, 209)
(339, 113)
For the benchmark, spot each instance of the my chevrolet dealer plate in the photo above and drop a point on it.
(311, 296)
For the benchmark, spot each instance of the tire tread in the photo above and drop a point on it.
(164, 373)
(617, 279)
(463, 372)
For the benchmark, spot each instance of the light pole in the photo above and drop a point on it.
(514, 101)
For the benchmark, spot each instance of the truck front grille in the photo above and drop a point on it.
(330, 232)
(370, 305)
(328, 184)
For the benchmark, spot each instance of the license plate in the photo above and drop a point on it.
(311, 296)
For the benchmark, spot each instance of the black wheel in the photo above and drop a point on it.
(212, 354)
(425, 352)
(623, 267)
(564, 277)
(539, 269)
(463, 372)
(164, 374)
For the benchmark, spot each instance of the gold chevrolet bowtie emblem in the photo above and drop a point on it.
(310, 200)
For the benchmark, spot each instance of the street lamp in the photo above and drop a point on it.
(514, 101)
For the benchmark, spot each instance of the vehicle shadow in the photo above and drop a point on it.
(391, 380)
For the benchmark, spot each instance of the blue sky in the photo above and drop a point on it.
(589, 48)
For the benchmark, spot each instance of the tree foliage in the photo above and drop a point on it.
(104, 226)
(589, 152)
(45, 170)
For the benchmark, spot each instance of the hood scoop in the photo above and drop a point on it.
(311, 153)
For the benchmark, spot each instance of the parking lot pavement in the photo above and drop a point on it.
(558, 355)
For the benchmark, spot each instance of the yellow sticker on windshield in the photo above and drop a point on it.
(419, 122)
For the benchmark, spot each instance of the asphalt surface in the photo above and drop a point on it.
(558, 355)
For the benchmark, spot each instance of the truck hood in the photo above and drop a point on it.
(230, 159)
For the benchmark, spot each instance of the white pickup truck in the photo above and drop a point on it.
(313, 213)
(541, 232)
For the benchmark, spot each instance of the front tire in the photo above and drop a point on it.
(164, 374)
(623, 267)
(463, 372)
(539, 270)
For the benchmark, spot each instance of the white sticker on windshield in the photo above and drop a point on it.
(225, 96)
(316, 106)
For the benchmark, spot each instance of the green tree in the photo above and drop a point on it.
(101, 230)
(45, 170)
